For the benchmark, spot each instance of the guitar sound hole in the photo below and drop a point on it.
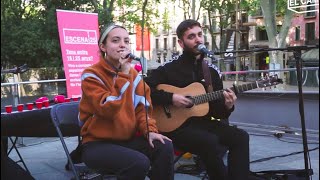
(191, 105)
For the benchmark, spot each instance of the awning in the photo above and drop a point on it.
(309, 58)
(311, 55)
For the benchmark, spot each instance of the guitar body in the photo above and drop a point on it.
(179, 115)
(196, 91)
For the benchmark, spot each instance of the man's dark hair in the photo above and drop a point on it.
(185, 25)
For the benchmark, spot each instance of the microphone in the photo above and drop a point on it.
(203, 49)
(130, 55)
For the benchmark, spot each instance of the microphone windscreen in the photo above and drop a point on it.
(201, 46)
(138, 67)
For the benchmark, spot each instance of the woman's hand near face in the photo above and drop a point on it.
(125, 62)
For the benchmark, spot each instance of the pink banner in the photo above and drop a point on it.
(79, 35)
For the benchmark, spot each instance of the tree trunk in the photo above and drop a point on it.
(276, 40)
(193, 9)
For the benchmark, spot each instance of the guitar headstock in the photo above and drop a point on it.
(268, 81)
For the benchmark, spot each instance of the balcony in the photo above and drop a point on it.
(311, 42)
(259, 43)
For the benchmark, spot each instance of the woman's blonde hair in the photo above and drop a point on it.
(104, 34)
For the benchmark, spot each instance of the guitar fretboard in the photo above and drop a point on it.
(203, 98)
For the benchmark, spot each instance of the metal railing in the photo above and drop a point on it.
(17, 95)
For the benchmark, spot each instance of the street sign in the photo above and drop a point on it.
(303, 6)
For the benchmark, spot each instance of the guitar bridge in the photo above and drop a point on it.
(167, 111)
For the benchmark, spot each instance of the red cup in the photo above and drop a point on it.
(39, 105)
(29, 106)
(41, 99)
(20, 107)
(66, 99)
(46, 103)
(8, 108)
(75, 99)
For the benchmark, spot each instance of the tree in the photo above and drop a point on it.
(277, 38)
(29, 33)
(129, 12)
(189, 8)
(223, 11)
(20, 33)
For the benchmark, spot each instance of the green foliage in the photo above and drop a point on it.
(29, 33)
(262, 28)
(253, 7)
(131, 13)
(165, 20)
(226, 10)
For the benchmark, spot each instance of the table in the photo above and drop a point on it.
(33, 123)
(29, 123)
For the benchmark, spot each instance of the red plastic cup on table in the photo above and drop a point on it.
(39, 105)
(20, 107)
(29, 106)
(41, 99)
(8, 108)
(46, 103)
(67, 100)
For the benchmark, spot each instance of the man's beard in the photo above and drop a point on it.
(191, 50)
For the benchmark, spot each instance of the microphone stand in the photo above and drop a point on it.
(297, 55)
(145, 98)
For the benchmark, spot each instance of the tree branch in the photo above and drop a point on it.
(285, 27)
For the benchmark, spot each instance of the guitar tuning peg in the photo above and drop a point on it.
(235, 83)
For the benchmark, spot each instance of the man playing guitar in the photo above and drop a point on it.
(204, 136)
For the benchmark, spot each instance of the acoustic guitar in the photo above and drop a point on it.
(169, 117)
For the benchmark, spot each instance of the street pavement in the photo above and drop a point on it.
(46, 158)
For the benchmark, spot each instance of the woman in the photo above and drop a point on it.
(114, 108)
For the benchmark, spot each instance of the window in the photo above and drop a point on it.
(244, 18)
(261, 34)
(310, 31)
(297, 33)
(310, 14)
(157, 44)
(165, 44)
(174, 43)
(214, 25)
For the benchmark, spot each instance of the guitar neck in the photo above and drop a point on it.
(203, 98)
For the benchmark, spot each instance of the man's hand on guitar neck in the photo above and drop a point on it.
(230, 98)
(181, 101)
